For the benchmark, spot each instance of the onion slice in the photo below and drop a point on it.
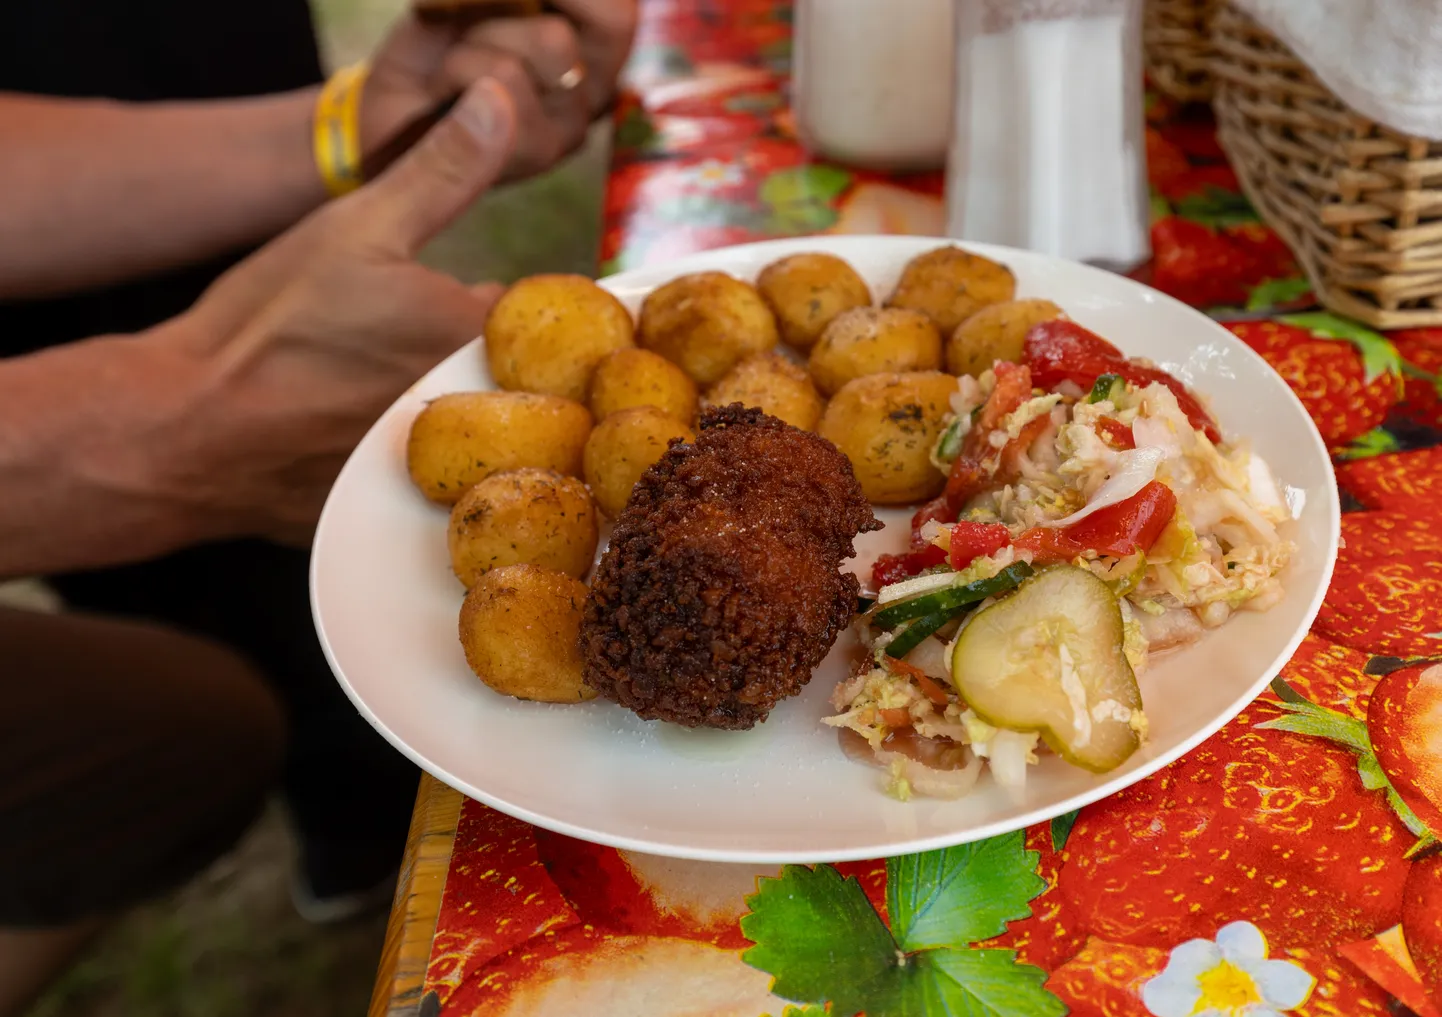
(1132, 470)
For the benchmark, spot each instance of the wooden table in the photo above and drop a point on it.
(706, 155)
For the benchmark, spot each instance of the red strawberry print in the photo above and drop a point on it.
(1386, 592)
(1053, 933)
(1198, 181)
(1257, 825)
(1408, 482)
(1329, 376)
(643, 894)
(1404, 721)
(1166, 163)
(1107, 980)
(505, 897)
(1422, 921)
(1195, 137)
(1196, 264)
(1421, 350)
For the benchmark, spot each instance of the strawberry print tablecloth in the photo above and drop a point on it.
(1287, 866)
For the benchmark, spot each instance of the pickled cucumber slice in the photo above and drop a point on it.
(1050, 658)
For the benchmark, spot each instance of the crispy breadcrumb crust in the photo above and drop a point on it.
(721, 590)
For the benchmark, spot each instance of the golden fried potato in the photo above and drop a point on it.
(635, 377)
(622, 447)
(519, 627)
(951, 285)
(706, 322)
(526, 516)
(806, 291)
(774, 385)
(460, 439)
(996, 332)
(547, 333)
(887, 424)
(874, 340)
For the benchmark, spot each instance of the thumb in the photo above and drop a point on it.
(427, 188)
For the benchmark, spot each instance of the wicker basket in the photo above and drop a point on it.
(1360, 204)
(1178, 48)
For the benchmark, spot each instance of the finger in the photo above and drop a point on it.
(441, 176)
(547, 45)
(413, 48)
(487, 293)
(547, 127)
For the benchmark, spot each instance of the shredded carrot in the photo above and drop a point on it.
(895, 719)
(925, 682)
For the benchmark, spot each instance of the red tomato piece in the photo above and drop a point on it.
(1116, 434)
(1060, 350)
(1128, 526)
(1049, 545)
(1013, 387)
(970, 541)
(893, 568)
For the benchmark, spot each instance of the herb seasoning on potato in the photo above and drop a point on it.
(874, 340)
(776, 386)
(950, 285)
(707, 323)
(520, 627)
(526, 516)
(547, 333)
(886, 424)
(807, 292)
(460, 439)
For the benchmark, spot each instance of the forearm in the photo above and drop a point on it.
(95, 192)
(85, 430)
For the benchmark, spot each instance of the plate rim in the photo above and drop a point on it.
(699, 261)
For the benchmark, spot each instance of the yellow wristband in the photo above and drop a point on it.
(337, 129)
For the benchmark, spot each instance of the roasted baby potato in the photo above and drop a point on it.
(996, 332)
(806, 291)
(526, 516)
(519, 627)
(774, 385)
(635, 377)
(547, 333)
(887, 424)
(707, 323)
(622, 447)
(874, 340)
(459, 440)
(951, 285)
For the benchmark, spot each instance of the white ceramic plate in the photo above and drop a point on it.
(386, 606)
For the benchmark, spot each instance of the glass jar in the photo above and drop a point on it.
(1048, 151)
(871, 81)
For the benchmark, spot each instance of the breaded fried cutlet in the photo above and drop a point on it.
(721, 590)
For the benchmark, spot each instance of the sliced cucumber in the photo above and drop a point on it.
(953, 596)
(912, 636)
(1110, 387)
(1050, 658)
(948, 446)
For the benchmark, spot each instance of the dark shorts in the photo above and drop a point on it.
(141, 732)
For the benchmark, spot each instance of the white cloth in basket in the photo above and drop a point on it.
(1382, 57)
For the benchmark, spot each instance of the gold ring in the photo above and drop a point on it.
(572, 78)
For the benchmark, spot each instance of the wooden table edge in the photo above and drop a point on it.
(417, 903)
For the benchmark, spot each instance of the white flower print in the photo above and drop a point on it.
(713, 175)
(1230, 977)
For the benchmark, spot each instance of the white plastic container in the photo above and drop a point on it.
(872, 81)
(1049, 148)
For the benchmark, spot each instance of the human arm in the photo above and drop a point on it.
(94, 192)
(234, 418)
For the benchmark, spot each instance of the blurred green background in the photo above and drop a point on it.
(229, 944)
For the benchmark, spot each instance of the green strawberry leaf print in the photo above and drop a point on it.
(1376, 442)
(1217, 209)
(1276, 293)
(822, 942)
(1378, 353)
(809, 1010)
(802, 199)
(1061, 828)
(1303, 717)
(961, 895)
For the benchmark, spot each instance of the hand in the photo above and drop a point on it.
(292, 355)
(536, 59)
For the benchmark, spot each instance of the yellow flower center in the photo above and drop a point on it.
(1227, 988)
